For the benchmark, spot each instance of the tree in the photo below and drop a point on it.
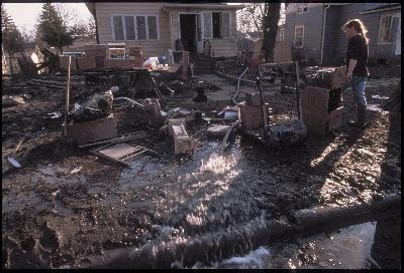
(12, 42)
(80, 28)
(11, 38)
(52, 28)
(250, 17)
(270, 29)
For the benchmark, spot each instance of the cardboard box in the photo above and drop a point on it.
(91, 131)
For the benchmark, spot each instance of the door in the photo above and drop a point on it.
(188, 27)
(199, 33)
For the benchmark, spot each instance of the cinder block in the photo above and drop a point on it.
(253, 98)
(183, 143)
(251, 116)
(91, 131)
(174, 121)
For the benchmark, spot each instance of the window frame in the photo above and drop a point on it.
(294, 40)
(280, 38)
(300, 8)
(135, 27)
(392, 15)
(221, 23)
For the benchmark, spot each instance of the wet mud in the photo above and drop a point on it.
(66, 206)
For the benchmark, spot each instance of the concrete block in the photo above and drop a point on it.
(183, 143)
(91, 131)
(216, 130)
(174, 121)
(251, 116)
(253, 98)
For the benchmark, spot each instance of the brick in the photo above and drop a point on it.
(86, 62)
(251, 116)
(91, 131)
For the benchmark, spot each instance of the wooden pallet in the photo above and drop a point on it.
(121, 152)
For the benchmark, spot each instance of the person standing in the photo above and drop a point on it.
(357, 72)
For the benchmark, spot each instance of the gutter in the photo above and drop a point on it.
(323, 32)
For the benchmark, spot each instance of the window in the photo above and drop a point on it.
(141, 27)
(301, 8)
(299, 34)
(388, 29)
(134, 27)
(220, 24)
(207, 21)
(280, 36)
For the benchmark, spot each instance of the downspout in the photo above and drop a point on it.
(97, 37)
(323, 33)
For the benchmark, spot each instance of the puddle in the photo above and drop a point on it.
(348, 248)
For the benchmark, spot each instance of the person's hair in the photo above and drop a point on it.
(359, 27)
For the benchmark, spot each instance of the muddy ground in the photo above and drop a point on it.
(65, 206)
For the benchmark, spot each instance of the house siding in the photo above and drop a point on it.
(371, 21)
(168, 27)
(335, 41)
(312, 22)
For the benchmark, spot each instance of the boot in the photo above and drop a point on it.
(360, 118)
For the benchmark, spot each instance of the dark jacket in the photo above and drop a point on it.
(358, 50)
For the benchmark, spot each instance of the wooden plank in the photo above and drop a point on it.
(113, 141)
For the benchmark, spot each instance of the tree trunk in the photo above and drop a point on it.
(270, 29)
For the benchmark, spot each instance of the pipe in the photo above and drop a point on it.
(184, 251)
(134, 103)
(238, 87)
(323, 34)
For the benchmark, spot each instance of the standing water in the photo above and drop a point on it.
(348, 248)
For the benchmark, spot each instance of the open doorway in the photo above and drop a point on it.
(188, 32)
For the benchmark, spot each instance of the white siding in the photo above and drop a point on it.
(167, 22)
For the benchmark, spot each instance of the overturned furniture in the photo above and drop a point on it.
(183, 143)
(254, 113)
(321, 101)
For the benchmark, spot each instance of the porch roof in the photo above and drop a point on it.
(174, 7)
(382, 8)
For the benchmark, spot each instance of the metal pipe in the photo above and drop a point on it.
(245, 237)
(323, 34)
(67, 96)
(238, 87)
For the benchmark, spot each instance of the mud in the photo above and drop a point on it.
(56, 217)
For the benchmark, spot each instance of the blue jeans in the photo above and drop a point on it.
(358, 87)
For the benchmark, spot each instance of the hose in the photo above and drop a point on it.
(238, 87)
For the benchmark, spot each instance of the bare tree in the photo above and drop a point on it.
(81, 27)
(270, 29)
